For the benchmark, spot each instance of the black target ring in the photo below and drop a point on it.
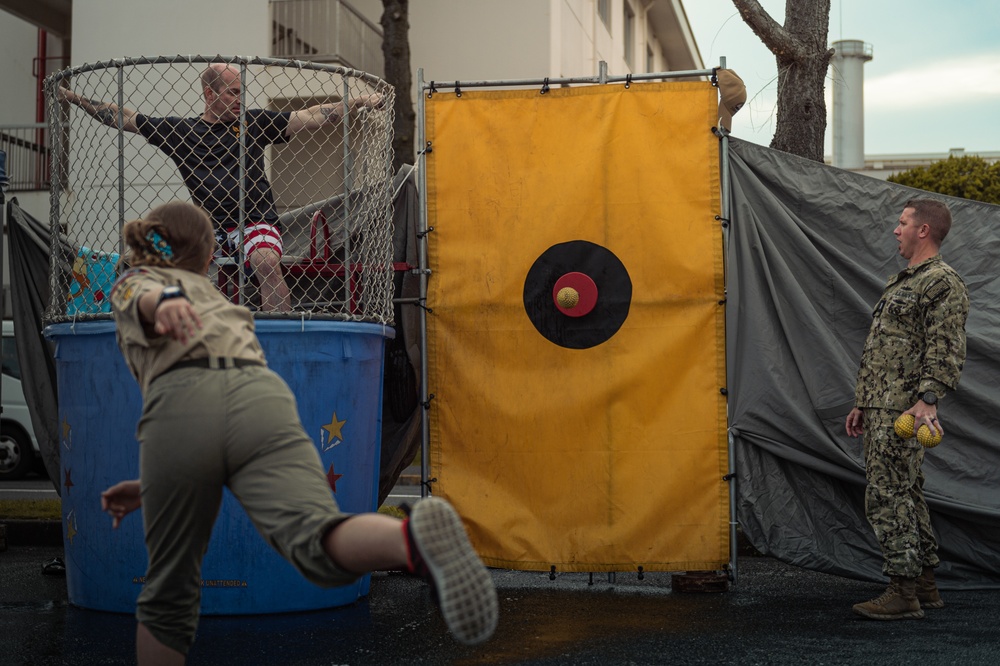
(608, 273)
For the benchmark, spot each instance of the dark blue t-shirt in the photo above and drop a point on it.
(207, 155)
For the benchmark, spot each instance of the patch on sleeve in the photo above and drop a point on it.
(125, 287)
(937, 290)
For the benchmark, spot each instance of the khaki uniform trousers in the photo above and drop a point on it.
(205, 429)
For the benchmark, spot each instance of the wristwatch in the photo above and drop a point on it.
(173, 291)
(929, 397)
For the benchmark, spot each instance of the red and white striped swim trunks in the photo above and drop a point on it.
(256, 235)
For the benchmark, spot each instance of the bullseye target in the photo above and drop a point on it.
(577, 294)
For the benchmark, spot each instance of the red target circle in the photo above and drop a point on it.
(583, 287)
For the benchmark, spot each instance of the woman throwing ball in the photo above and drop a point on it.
(215, 416)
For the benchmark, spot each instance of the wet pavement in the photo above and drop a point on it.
(776, 615)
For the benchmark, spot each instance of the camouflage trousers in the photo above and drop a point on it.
(894, 499)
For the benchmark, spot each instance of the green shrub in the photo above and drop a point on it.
(969, 177)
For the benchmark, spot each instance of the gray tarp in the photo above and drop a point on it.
(810, 249)
(401, 433)
(30, 251)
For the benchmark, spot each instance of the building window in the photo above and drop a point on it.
(629, 34)
(650, 60)
(604, 11)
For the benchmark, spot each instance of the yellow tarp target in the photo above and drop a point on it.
(604, 456)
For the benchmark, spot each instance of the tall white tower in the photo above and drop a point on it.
(847, 72)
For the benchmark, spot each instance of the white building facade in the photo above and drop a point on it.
(471, 40)
(449, 40)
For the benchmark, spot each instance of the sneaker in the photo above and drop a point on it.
(440, 552)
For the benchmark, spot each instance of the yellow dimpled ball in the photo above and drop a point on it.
(927, 437)
(904, 426)
(568, 297)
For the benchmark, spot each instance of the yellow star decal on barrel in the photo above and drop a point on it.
(334, 432)
(71, 526)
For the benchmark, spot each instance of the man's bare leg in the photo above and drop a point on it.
(274, 295)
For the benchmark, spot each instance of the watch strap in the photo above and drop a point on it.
(171, 292)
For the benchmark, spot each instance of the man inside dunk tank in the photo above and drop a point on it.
(206, 151)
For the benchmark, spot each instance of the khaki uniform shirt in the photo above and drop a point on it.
(917, 338)
(227, 329)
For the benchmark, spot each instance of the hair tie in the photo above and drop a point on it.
(160, 246)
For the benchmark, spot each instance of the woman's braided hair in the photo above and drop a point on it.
(173, 235)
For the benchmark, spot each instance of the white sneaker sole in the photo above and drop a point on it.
(465, 588)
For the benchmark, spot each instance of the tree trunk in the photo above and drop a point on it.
(801, 115)
(801, 51)
(396, 51)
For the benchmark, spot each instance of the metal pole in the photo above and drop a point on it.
(602, 78)
(425, 425)
(3, 233)
(58, 177)
(241, 214)
(348, 184)
(121, 152)
(726, 195)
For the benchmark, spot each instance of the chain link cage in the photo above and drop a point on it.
(331, 184)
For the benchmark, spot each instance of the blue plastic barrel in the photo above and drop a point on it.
(335, 371)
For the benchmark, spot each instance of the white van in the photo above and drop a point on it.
(19, 452)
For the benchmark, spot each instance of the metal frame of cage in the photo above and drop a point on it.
(331, 183)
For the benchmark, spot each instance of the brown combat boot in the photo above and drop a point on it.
(898, 602)
(927, 592)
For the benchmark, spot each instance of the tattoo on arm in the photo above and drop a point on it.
(99, 110)
(329, 112)
(107, 116)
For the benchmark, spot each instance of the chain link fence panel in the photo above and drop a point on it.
(132, 139)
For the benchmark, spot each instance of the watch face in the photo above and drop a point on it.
(170, 292)
(929, 397)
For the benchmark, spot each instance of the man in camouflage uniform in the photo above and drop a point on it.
(913, 355)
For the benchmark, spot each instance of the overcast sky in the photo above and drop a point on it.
(933, 84)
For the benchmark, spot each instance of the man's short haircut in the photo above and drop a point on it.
(212, 76)
(934, 213)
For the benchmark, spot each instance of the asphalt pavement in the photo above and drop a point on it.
(777, 615)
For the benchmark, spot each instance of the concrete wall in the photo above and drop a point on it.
(481, 39)
(107, 29)
(18, 46)
(516, 39)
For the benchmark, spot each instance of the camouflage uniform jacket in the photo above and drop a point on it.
(917, 338)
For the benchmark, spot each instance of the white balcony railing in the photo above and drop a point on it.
(27, 149)
(328, 31)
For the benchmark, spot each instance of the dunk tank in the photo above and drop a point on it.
(332, 189)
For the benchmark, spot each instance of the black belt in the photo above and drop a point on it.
(214, 363)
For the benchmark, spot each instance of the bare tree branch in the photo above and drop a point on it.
(802, 55)
(771, 33)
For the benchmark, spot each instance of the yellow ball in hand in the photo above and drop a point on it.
(927, 437)
(904, 426)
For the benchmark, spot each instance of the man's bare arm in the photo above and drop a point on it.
(104, 112)
(316, 116)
